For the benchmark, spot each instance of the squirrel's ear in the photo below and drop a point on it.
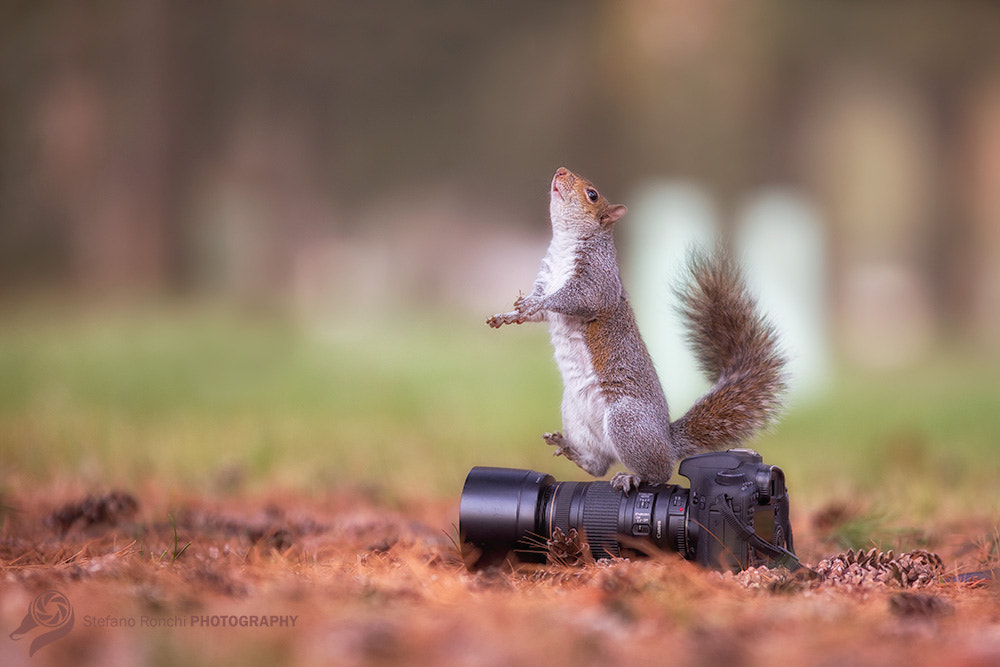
(614, 212)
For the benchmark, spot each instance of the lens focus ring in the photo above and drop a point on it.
(601, 506)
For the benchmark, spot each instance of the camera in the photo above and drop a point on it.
(733, 516)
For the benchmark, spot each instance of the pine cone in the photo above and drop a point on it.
(912, 569)
(567, 548)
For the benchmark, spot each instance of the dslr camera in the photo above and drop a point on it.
(733, 516)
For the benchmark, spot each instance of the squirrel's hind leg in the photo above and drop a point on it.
(641, 439)
(591, 461)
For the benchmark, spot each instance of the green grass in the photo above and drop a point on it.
(204, 399)
(921, 442)
(189, 394)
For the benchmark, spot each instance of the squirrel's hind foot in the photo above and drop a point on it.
(625, 482)
(560, 443)
(590, 461)
(563, 447)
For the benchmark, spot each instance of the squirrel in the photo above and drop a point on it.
(613, 406)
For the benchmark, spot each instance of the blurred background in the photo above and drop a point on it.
(363, 183)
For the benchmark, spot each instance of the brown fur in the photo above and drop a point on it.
(738, 350)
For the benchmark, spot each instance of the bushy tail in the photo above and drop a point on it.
(738, 349)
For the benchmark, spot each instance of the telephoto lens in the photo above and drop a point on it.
(734, 515)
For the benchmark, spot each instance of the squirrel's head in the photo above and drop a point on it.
(576, 205)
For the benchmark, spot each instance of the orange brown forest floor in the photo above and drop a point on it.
(349, 579)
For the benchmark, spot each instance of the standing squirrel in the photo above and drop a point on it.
(614, 407)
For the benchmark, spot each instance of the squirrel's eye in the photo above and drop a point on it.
(592, 194)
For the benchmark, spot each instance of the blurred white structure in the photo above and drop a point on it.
(780, 241)
(783, 247)
(665, 222)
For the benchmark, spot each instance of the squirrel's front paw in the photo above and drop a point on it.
(527, 305)
(501, 319)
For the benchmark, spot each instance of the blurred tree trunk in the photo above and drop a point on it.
(124, 238)
(98, 155)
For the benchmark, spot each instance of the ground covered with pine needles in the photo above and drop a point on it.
(348, 579)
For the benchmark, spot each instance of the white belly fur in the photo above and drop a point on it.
(583, 405)
(559, 263)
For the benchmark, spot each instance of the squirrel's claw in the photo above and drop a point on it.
(524, 308)
(625, 482)
(557, 441)
(500, 319)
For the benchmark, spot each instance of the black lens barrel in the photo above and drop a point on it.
(592, 508)
(499, 508)
(504, 509)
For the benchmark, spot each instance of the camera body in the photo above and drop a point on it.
(734, 515)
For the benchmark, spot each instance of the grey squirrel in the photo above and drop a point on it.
(613, 406)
